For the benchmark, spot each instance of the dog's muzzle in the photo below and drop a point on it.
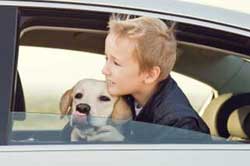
(83, 108)
(81, 118)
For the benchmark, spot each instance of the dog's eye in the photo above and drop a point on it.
(104, 98)
(78, 95)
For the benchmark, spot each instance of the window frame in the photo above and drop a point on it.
(9, 33)
(107, 9)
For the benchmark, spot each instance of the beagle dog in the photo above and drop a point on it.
(92, 109)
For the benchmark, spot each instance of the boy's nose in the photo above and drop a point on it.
(105, 69)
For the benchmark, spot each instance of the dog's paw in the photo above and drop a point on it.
(106, 134)
(77, 135)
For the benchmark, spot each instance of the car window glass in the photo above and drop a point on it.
(36, 129)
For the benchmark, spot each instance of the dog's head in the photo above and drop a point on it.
(89, 103)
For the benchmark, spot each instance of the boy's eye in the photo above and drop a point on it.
(117, 64)
(104, 98)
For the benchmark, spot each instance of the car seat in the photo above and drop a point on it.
(218, 114)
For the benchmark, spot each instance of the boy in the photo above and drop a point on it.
(140, 54)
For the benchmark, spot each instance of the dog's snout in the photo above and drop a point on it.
(83, 108)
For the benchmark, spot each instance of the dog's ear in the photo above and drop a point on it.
(121, 111)
(66, 102)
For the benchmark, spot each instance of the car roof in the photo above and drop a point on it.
(187, 8)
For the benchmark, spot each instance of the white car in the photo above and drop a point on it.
(47, 45)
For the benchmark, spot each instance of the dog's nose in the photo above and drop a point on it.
(83, 108)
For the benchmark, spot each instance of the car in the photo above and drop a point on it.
(48, 45)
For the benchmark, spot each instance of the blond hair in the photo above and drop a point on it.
(155, 43)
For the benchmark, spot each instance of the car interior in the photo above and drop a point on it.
(216, 58)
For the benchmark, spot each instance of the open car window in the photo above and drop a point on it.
(42, 91)
(48, 73)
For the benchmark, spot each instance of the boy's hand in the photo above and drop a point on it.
(106, 134)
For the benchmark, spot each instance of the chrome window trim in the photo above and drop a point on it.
(132, 147)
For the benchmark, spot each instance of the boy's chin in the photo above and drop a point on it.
(114, 92)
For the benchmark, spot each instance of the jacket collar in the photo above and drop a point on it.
(147, 111)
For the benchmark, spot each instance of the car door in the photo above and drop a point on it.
(36, 138)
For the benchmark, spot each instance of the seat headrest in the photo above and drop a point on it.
(238, 124)
(211, 113)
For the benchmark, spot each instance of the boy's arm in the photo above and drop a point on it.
(182, 117)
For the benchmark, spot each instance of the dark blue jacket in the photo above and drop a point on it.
(169, 106)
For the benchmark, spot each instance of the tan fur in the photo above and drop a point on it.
(121, 110)
(65, 103)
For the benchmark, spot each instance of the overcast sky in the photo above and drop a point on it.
(239, 5)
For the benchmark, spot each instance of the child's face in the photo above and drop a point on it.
(122, 70)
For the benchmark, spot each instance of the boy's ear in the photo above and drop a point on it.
(152, 75)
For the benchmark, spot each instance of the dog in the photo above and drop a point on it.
(91, 109)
